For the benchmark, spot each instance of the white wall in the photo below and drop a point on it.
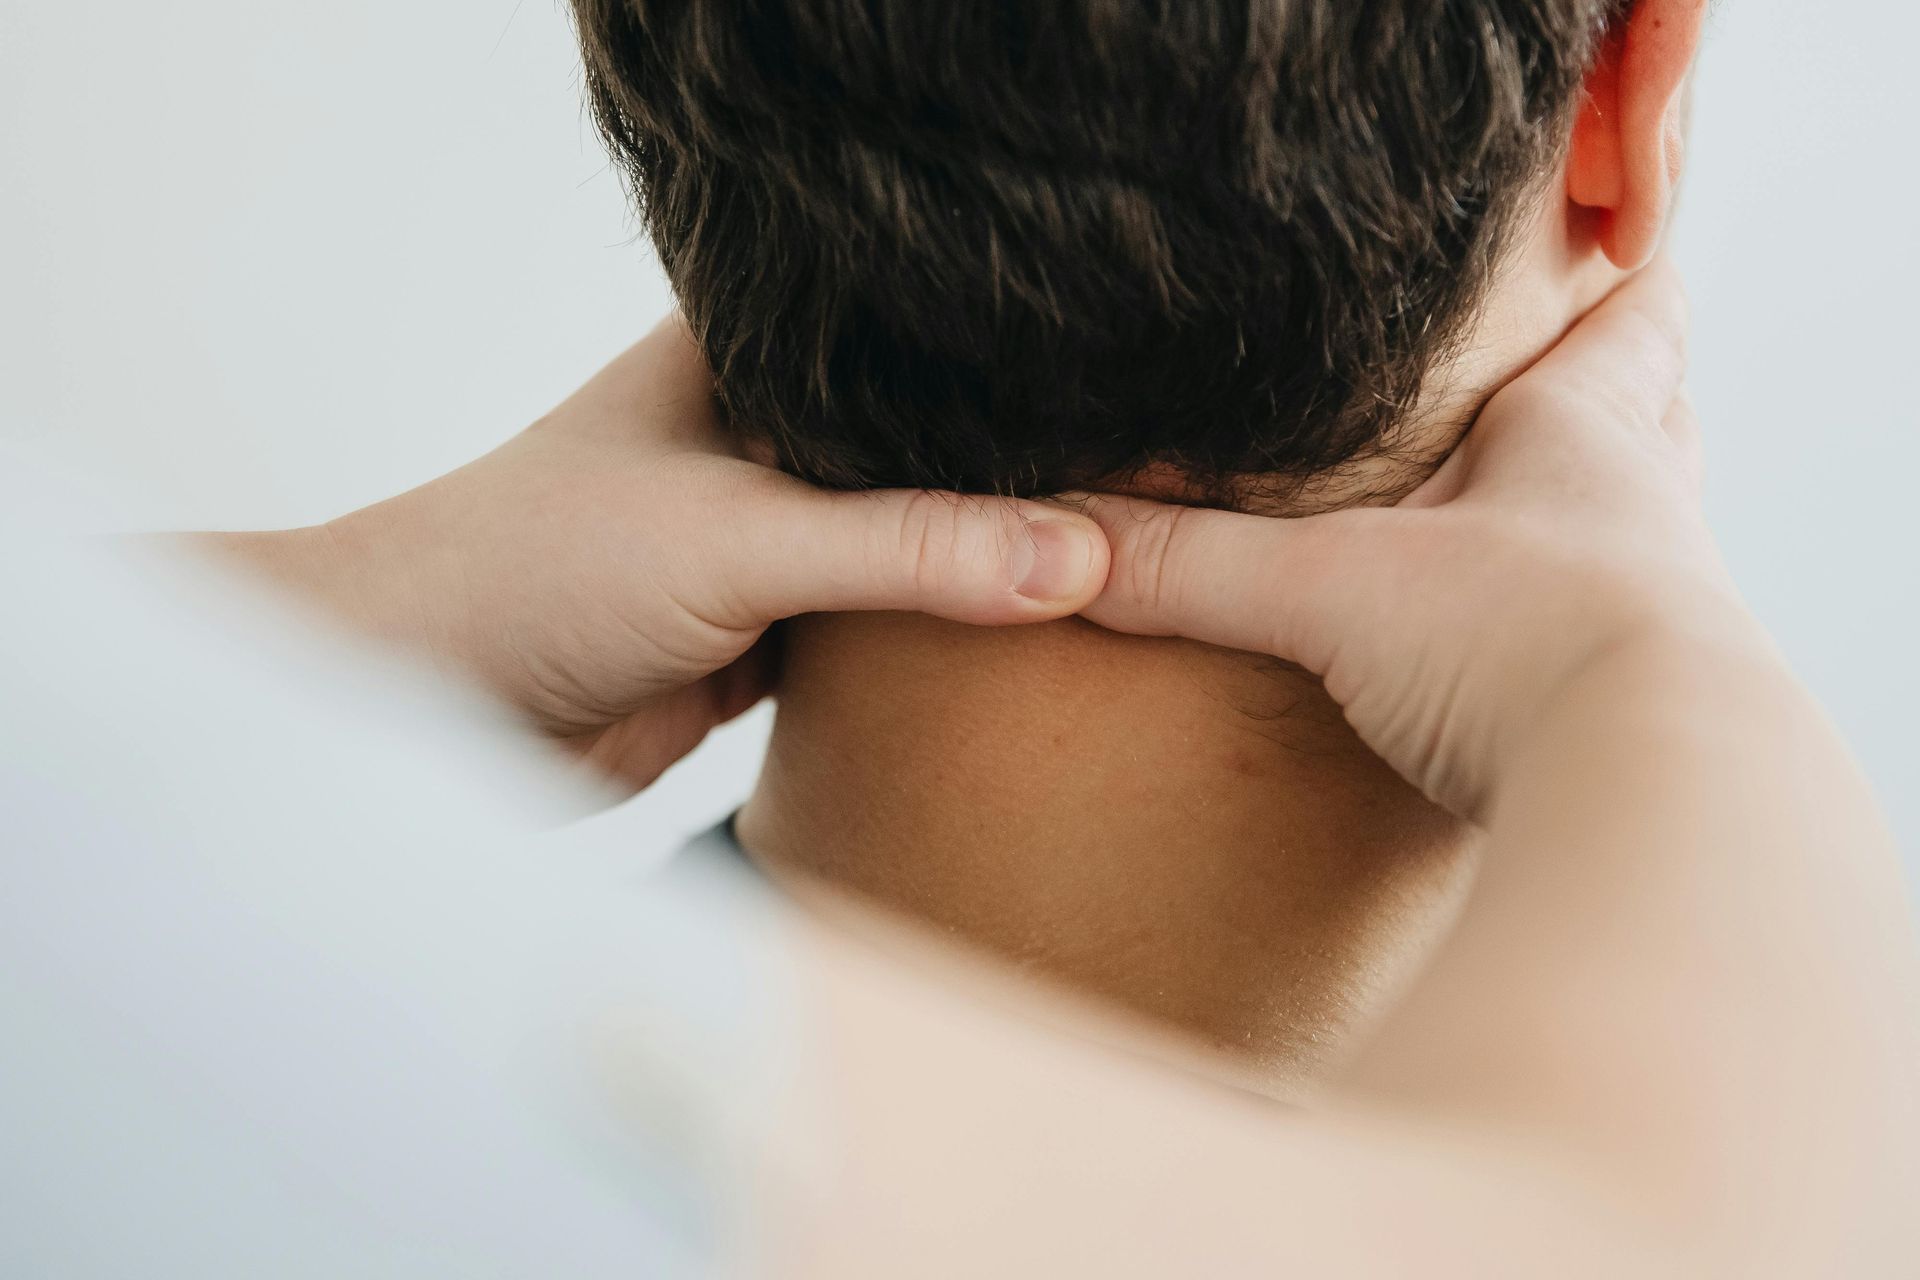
(1796, 234)
(261, 264)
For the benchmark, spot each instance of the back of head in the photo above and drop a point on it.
(1034, 246)
(1206, 249)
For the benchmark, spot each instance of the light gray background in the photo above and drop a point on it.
(261, 264)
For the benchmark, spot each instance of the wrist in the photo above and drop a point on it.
(301, 562)
(369, 568)
(348, 568)
(1674, 675)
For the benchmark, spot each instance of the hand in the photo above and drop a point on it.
(612, 570)
(1565, 526)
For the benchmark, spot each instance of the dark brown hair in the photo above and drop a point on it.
(1020, 246)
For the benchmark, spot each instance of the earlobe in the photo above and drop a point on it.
(1625, 154)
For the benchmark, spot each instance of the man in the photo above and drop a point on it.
(1670, 1034)
(1234, 253)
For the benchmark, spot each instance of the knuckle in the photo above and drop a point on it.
(928, 533)
(1535, 400)
(1664, 323)
(1153, 562)
(1643, 335)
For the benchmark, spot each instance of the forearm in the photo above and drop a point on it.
(1688, 960)
(357, 572)
(300, 561)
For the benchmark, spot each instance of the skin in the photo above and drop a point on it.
(1195, 838)
(1672, 1032)
(611, 571)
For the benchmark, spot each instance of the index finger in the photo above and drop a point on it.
(1620, 365)
(1264, 584)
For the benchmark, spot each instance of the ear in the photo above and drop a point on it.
(1628, 140)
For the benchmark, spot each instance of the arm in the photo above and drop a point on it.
(1674, 1030)
(1670, 1037)
(1686, 969)
(611, 570)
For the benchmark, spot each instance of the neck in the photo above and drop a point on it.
(1190, 833)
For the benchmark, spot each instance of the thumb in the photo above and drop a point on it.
(981, 560)
(1262, 584)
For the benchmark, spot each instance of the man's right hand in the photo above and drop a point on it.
(1563, 532)
(611, 570)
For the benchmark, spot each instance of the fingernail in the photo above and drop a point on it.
(1052, 561)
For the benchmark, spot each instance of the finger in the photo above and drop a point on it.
(659, 386)
(1682, 426)
(1620, 366)
(1257, 583)
(740, 685)
(981, 560)
(639, 748)
(1634, 342)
